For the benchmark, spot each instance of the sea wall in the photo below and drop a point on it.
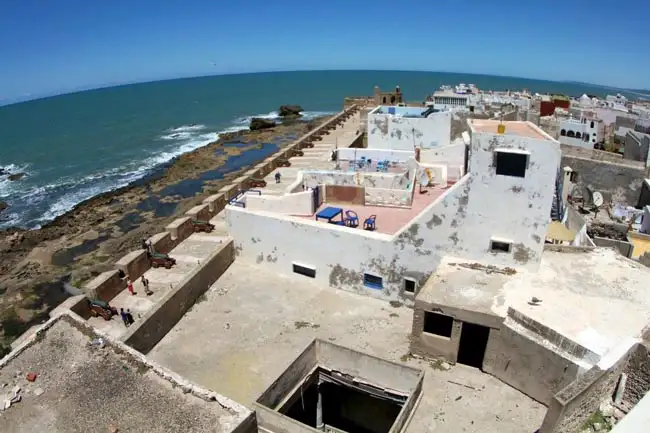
(161, 318)
(136, 263)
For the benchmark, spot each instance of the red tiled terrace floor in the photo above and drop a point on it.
(390, 219)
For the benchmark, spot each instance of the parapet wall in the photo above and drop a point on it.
(136, 263)
(148, 331)
(572, 406)
(637, 370)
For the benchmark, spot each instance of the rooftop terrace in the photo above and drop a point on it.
(390, 220)
(253, 324)
(522, 129)
(83, 388)
(595, 298)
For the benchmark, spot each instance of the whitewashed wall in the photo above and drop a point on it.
(300, 203)
(386, 131)
(356, 178)
(350, 154)
(453, 156)
(461, 224)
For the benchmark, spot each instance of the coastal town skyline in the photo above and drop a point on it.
(74, 46)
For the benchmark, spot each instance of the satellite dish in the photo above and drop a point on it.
(597, 199)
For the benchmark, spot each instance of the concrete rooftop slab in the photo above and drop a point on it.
(82, 388)
(596, 298)
(524, 129)
(253, 324)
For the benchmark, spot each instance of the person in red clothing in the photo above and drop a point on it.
(130, 287)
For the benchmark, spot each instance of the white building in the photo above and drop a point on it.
(516, 170)
(446, 99)
(408, 128)
(616, 99)
(583, 133)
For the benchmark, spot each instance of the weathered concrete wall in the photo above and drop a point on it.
(572, 406)
(149, 330)
(180, 229)
(345, 194)
(299, 203)
(200, 212)
(350, 154)
(105, 286)
(453, 156)
(618, 180)
(386, 131)
(527, 364)
(312, 178)
(369, 368)
(388, 197)
(134, 264)
(461, 223)
(431, 345)
(637, 370)
(625, 248)
(292, 376)
(163, 242)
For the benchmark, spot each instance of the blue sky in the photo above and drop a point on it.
(50, 47)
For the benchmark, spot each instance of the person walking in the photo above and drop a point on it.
(145, 284)
(129, 286)
(129, 317)
(277, 177)
(125, 319)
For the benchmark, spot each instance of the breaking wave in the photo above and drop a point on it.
(32, 205)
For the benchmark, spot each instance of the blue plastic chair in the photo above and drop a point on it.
(351, 219)
(369, 223)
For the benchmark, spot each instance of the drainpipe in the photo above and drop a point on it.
(319, 411)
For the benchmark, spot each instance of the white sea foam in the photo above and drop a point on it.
(69, 191)
(186, 128)
(8, 187)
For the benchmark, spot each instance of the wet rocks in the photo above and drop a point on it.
(258, 123)
(290, 110)
(16, 176)
(3, 205)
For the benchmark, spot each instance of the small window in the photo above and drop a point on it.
(592, 125)
(500, 246)
(511, 164)
(304, 270)
(373, 281)
(409, 285)
(438, 324)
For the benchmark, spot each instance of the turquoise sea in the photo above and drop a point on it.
(75, 146)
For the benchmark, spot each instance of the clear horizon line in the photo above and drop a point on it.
(7, 102)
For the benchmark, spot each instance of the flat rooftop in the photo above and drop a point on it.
(82, 388)
(253, 324)
(390, 220)
(596, 298)
(523, 129)
(450, 94)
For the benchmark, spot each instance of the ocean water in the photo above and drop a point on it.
(75, 146)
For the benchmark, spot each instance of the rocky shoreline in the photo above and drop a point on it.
(88, 239)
